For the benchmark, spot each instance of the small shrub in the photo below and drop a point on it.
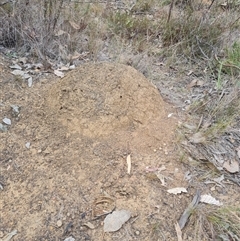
(142, 6)
(195, 34)
(129, 26)
(226, 223)
(231, 65)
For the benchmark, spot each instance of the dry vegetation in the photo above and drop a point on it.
(192, 33)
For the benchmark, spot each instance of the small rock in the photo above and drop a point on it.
(1, 234)
(114, 221)
(28, 145)
(7, 121)
(15, 110)
(137, 232)
(3, 128)
(69, 239)
(59, 223)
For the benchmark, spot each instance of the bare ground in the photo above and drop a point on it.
(81, 129)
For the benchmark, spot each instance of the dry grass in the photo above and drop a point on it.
(216, 223)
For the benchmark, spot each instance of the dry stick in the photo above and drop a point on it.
(170, 11)
(211, 4)
(57, 15)
(200, 123)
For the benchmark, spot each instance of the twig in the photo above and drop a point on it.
(170, 11)
(201, 48)
(200, 123)
(16, 166)
(211, 4)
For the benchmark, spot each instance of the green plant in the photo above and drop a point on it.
(215, 223)
(231, 64)
(226, 222)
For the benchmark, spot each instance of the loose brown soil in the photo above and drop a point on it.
(81, 129)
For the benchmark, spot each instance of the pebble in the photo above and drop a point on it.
(69, 239)
(1, 234)
(59, 223)
(137, 232)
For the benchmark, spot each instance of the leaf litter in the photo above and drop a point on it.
(177, 190)
(208, 199)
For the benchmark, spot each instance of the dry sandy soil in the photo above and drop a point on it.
(81, 128)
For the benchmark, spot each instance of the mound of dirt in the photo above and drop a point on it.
(110, 101)
(80, 130)
(101, 99)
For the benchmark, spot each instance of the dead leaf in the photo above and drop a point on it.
(155, 169)
(63, 68)
(190, 127)
(16, 66)
(129, 164)
(238, 151)
(178, 231)
(26, 76)
(60, 32)
(75, 56)
(219, 179)
(195, 82)
(231, 166)
(197, 138)
(190, 72)
(189, 210)
(210, 200)
(9, 236)
(29, 82)
(74, 25)
(161, 177)
(89, 225)
(18, 72)
(59, 73)
(177, 190)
